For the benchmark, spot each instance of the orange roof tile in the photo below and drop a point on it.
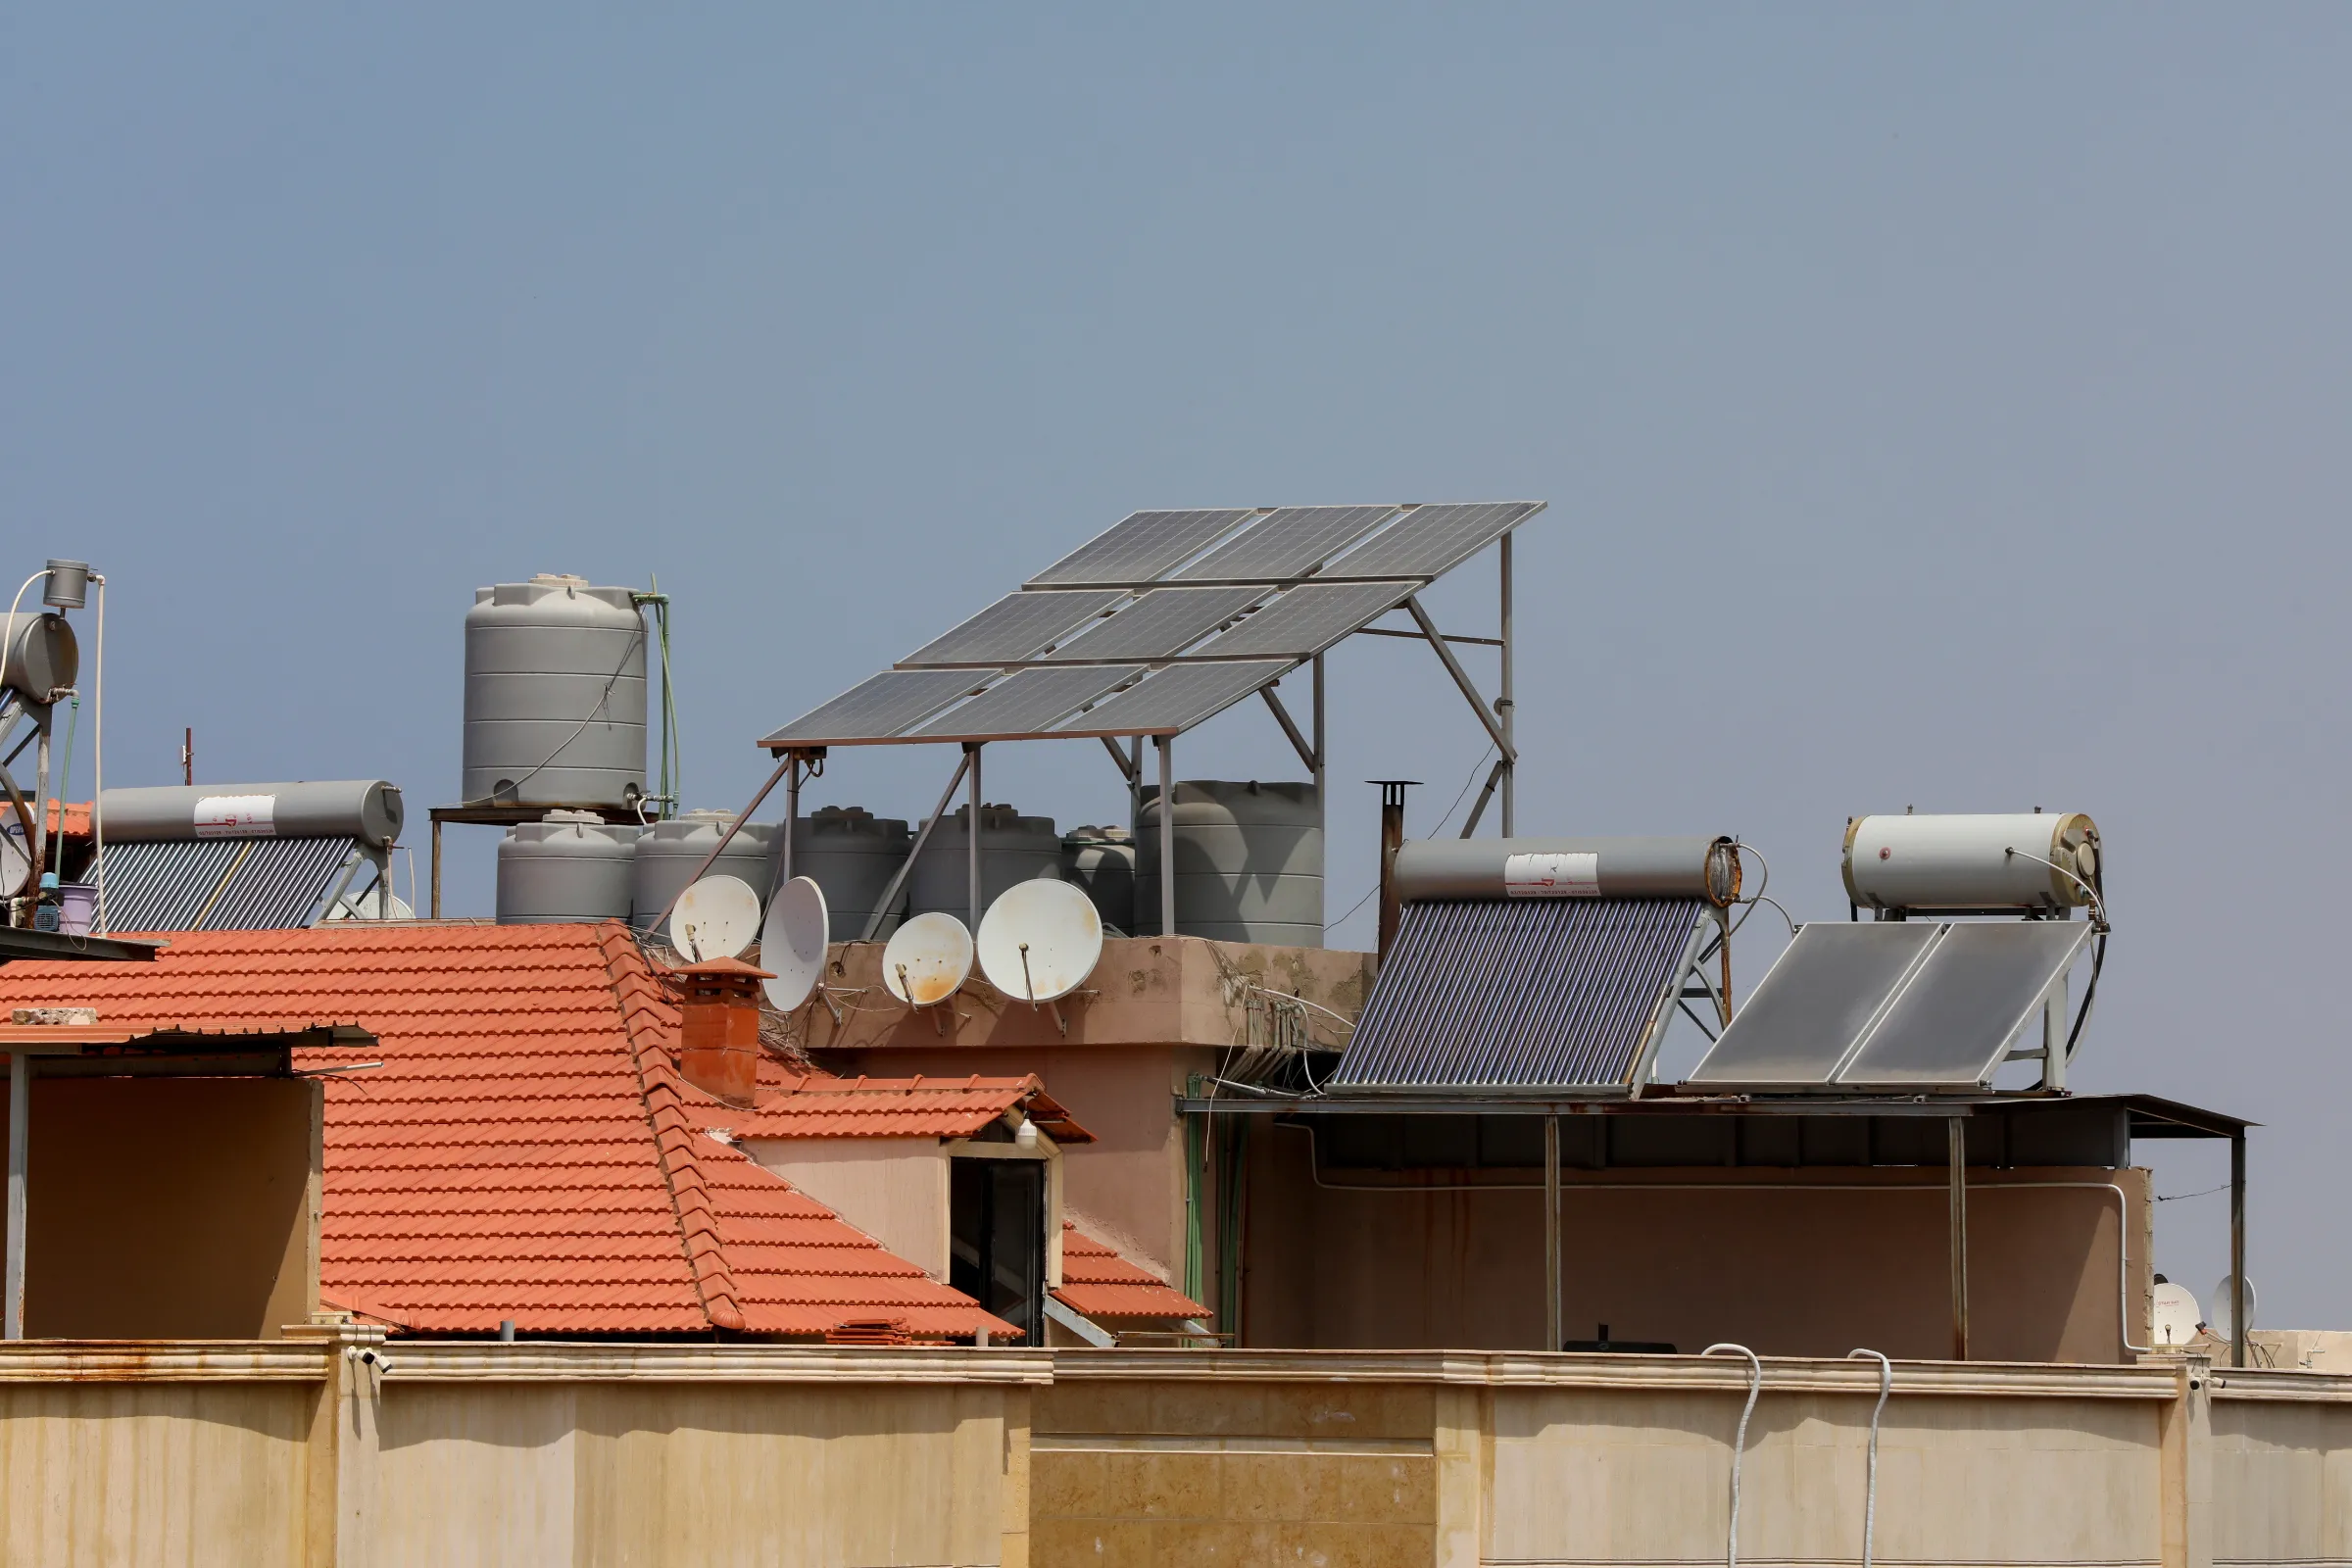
(1097, 1282)
(528, 1148)
(818, 1105)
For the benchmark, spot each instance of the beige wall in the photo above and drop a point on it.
(1786, 1272)
(171, 1208)
(893, 1189)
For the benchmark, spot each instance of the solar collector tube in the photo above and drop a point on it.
(1683, 866)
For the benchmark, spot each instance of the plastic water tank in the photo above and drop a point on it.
(568, 867)
(853, 853)
(554, 695)
(1101, 861)
(1012, 849)
(670, 853)
(1249, 863)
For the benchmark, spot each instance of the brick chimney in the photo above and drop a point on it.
(719, 1027)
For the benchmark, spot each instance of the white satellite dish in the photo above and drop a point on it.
(2225, 1321)
(1040, 941)
(927, 959)
(792, 943)
(716, 918)
(2177, 1317)
(16, 861)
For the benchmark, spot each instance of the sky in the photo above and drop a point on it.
(1936, 406)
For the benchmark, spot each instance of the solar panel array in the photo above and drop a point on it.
(1894, 1005)
(1261, 584)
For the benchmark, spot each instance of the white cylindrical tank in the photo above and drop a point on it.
(570, 866)
(554, 695)
(1248, 862)
(1012, 849)
(1966, 862)
(852, 854)
(669, 855)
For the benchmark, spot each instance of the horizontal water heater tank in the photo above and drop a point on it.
(554, 695)
(1966, 862)
(571, 866)
(1666, 866)
(853, 853)
(368, 810)
(1248, 862)
(38, 655)
(669, 856)
(1012, 849)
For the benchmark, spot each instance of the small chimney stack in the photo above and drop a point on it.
(1391, 839)
(719, 1027)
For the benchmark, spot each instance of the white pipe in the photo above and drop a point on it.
(1755, 1386)
(1870, 1484)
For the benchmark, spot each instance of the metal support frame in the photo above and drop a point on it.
(1322, 756)
(897, 880)
(436, 868)
(1956, 1157)
(1282, 717)
(20, 1131)
(1461, 679)
(1507, 704)
(1691, 965)
(1555, 1329)
(1478, 807)
(792, 818)
(971, 836)
(791, 759)
(1167, 833)
(43, 714)
(2237, 1249)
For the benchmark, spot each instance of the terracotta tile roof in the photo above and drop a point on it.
(528, 1150)
(818, 1105)
(67, 818)
(1097, 1283)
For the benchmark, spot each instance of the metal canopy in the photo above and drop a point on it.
(1893, 1004)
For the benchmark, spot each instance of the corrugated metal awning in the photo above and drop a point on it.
(1542, 992)
(222, 884)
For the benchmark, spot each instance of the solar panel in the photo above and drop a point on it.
(1013, 628)
(1308, 619)
(1815, 1002)
(1178, 698)
(1430, 541)
(1287, 543)
(1952, 1024)
(876, 708)
(1159, 623)
(1140, 548)
(1026, 704)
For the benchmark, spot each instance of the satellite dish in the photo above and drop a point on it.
(792, 943)
(1040, 941)
(2177, 1318)
(716, 918)
(927, 959)
(16, 861)
(2225, 1322)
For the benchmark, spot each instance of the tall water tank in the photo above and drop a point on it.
(554, 695)
(1248, 862)
(1101, 861)
(853, 853)
(571, 866)
(1012, 849)
(668, 854)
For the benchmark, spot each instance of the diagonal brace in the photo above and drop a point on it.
(1282, 717)
(1453, 667)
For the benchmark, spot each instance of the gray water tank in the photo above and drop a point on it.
(38, 655)
(853, 853)
(1101, 861)
(570, 866)
(1012, 849)
(554, 695)
(1248, 862)
(668, 854)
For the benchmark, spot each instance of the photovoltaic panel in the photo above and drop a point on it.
(1140, 548)
(1159, 623)
(1177, 698)
(1287, 543)
(876, 708)
(1013, 628)
(1430, 541)
(1952, 1024)
(1815, 1002)
(1307, 620)
(1027, 702)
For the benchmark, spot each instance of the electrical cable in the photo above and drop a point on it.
(1870, 1483)
(98, 763)
(1755, 1386)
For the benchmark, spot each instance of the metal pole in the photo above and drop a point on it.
(971, 836)
(19, 1133)
(40, 806)
(1391, 839)
(1503, 705)
(2238, 1248)
(1956, 1154)
(1134, 781)
(792, 819)
(1554, 1330)
(436, 868)
(662, 921)
(1167, 834)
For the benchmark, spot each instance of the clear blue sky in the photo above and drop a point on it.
(1937, 406)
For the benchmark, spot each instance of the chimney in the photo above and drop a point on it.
(1391, 839)
(719, 1027)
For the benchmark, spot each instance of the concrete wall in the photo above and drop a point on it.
(171, 1208)
(893, 1189)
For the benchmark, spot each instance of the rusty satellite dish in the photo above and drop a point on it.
(927, 959)
(792, 943)
(1040, 941)
(716, 918)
